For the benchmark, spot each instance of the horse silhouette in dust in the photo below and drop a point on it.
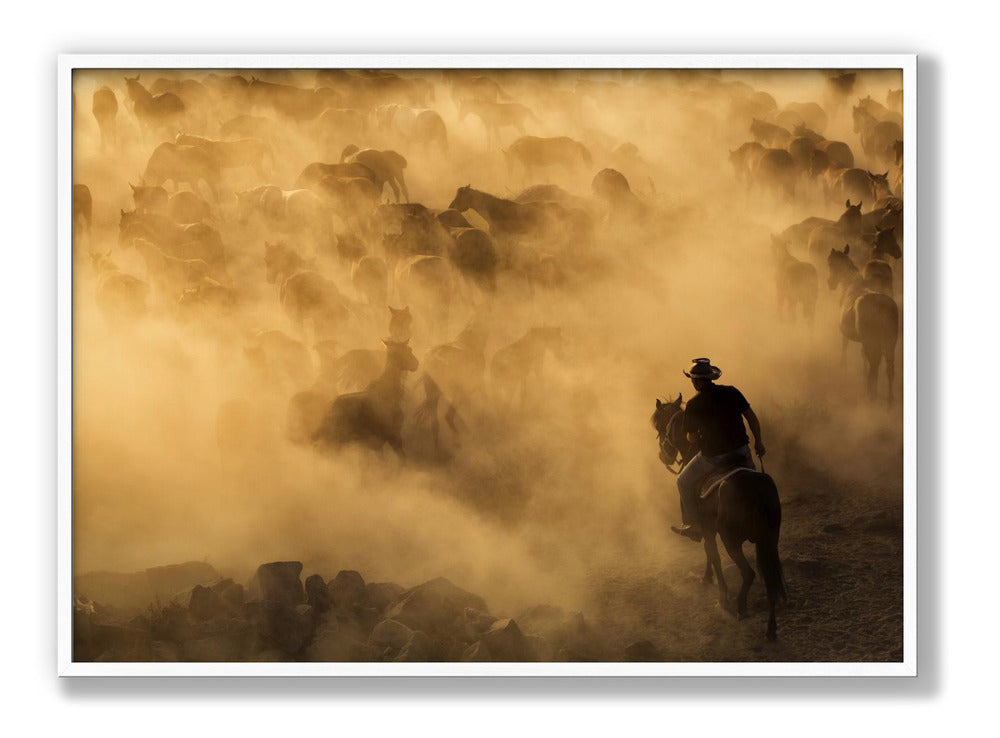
(374, 416)
(744, 506)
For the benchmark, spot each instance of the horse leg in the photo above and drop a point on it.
(890, 369)
(715, 562)
(735, 551)
(707, 579)
(873, 359)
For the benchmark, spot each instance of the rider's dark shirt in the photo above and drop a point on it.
(715, 416)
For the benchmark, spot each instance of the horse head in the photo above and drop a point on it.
(463, 199)
(665, 411)
(881, 184)
(672, 443)
(886, 244)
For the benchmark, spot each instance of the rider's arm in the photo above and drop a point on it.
(754, 424)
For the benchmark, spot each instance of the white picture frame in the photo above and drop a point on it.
(67, 63)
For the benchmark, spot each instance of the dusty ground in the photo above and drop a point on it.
(842, 558)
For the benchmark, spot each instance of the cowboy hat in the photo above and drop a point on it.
(702, 369)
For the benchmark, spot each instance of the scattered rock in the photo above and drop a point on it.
(347, 590)
(282, 626)
(506, 641)
(418, 648)
(390, 633)
(232, 596)
(476, 623)
(539, 648)
(541, 620)
(336, 642)
(642, 651)
(318, 594)
(205, 603)
(437, 607)
(478, 651)
(383, 594)
(278, 581)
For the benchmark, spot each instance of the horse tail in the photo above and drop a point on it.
(770, 568)
(769, 527)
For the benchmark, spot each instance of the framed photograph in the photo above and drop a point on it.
(487, 365)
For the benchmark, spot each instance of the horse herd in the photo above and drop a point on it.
(264, 197)
(790, 155)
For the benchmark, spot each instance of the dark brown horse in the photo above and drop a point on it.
(744, 506)
(374, 416)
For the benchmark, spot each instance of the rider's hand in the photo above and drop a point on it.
(759, 448)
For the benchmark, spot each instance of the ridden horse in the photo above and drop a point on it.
(374, 416)
(744, 506)
(869, 317)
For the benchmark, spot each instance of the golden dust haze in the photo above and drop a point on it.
(530, 501)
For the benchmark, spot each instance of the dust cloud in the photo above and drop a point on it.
(181, 447)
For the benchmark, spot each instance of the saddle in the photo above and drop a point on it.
(714, 480)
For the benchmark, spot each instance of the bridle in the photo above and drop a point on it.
(666, 444)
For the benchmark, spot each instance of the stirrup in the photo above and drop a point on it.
(688, 531)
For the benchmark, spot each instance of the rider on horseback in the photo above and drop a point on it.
(714, 421)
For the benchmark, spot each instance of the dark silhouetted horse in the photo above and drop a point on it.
(868, 317)
(744, 506)
(374, 416)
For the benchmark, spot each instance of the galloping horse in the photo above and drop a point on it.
(744, 506)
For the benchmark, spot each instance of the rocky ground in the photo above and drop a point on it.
(278, 617)
(841, 549)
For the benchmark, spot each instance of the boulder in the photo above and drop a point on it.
(390, 634)
(279, 625)
(318, 594)
(642, 651)
(543, 620)
(347, 590)
(506, 642)
(418, 648)
(383, 594)
(171, 623)
(231, 595)
(279, 582)
(478, 651)
(435, 607)
(476, 623)
(205, 603)
(539, 648)
(335, 641)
